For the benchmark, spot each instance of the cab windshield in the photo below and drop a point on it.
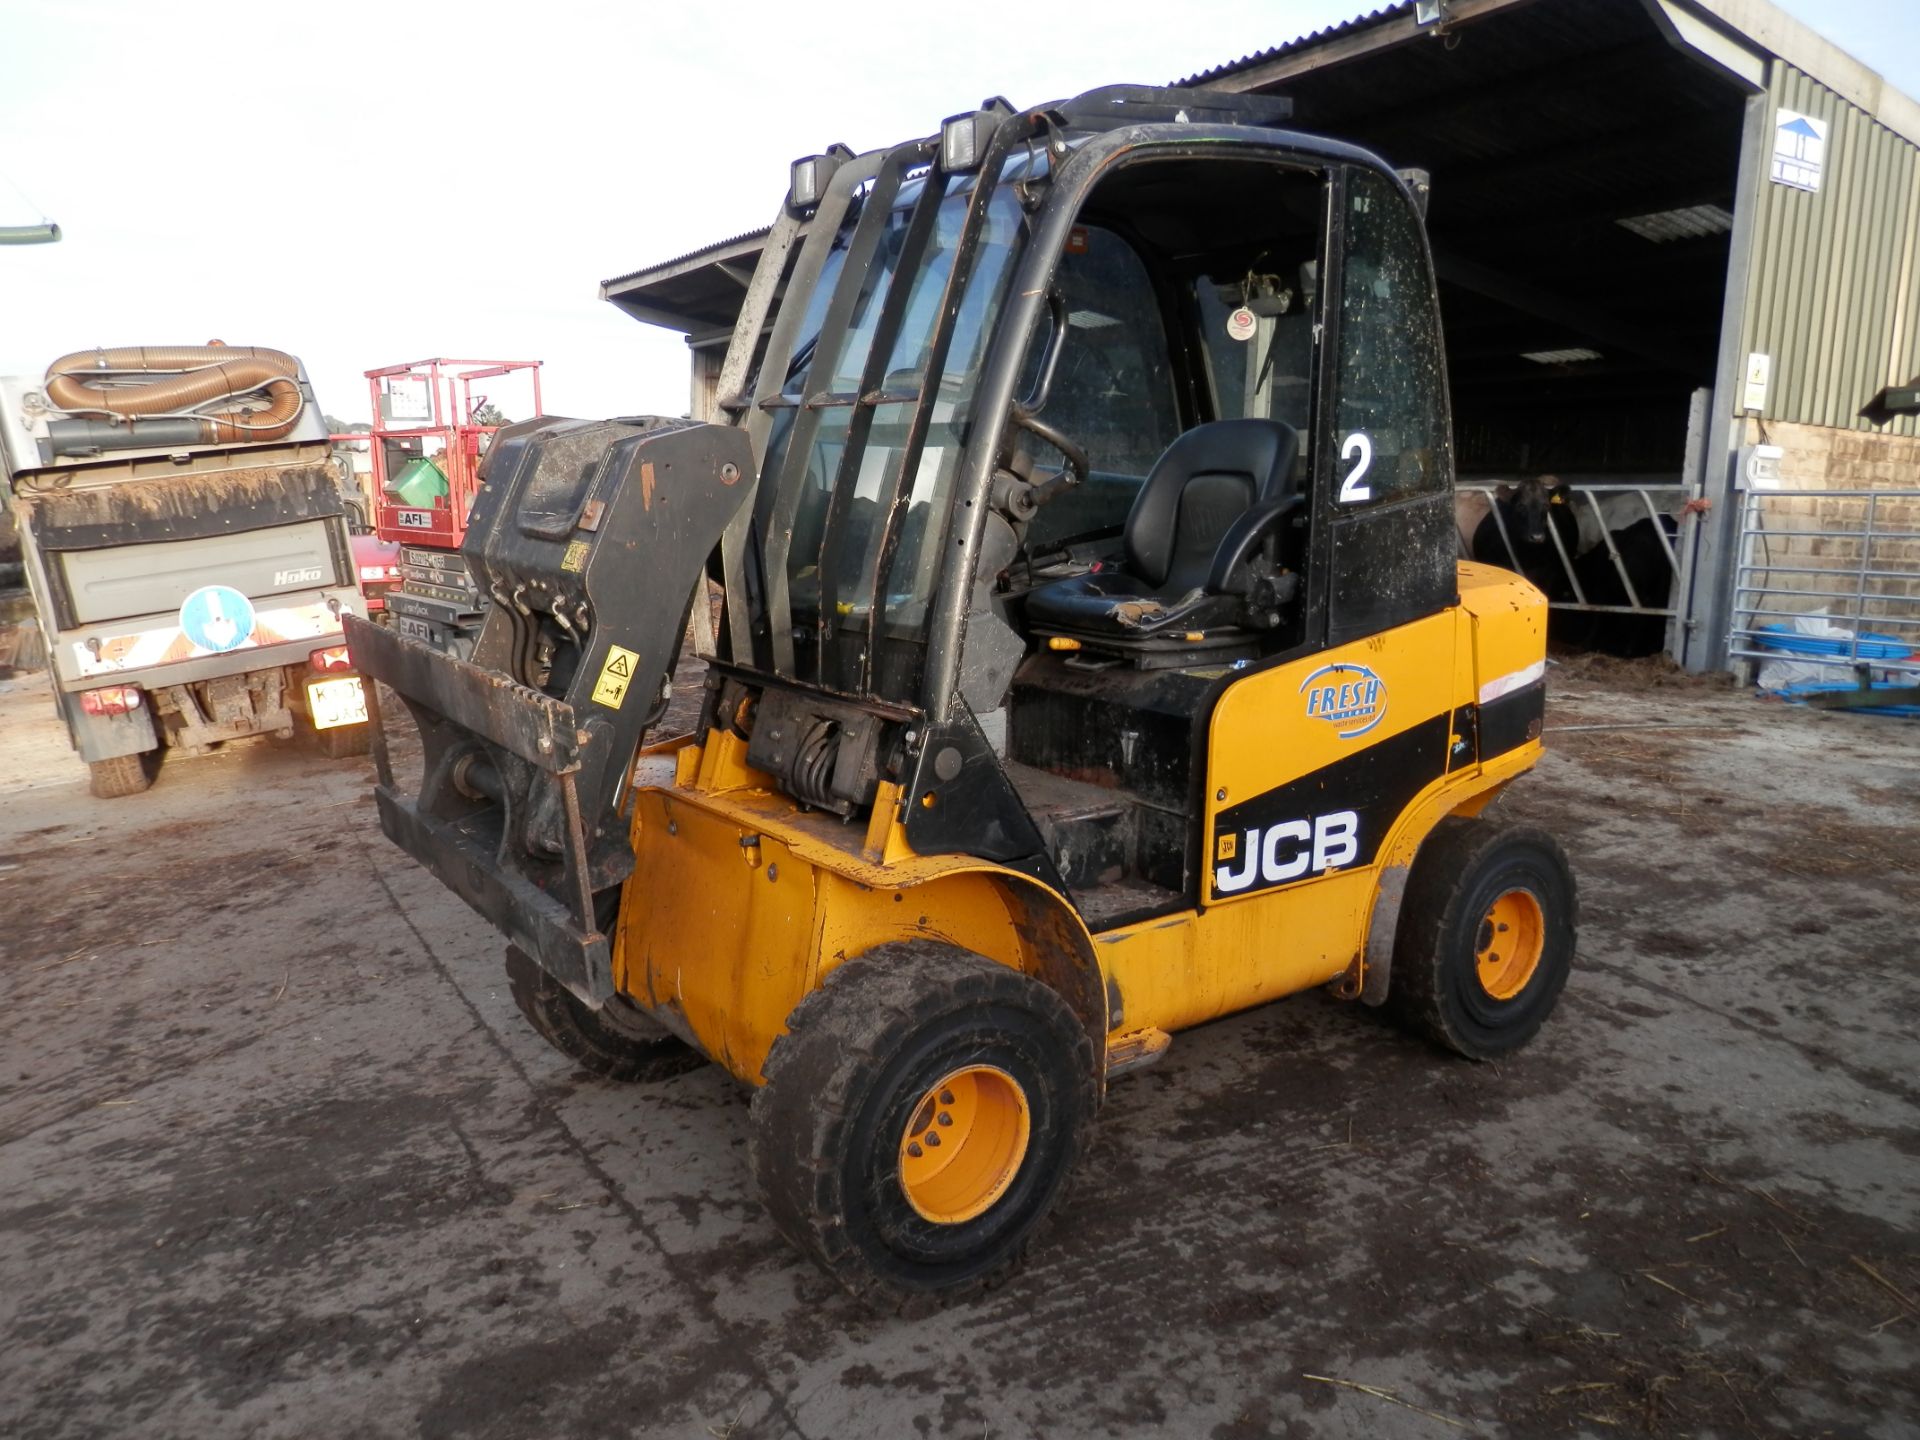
(847, 431)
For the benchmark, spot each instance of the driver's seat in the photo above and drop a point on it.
(1210, 498)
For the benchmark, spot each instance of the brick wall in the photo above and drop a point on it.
(1821, 459)
(1791, 539)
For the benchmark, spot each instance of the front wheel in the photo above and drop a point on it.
(619, 1041)
(920, 1119)
(1486, 937)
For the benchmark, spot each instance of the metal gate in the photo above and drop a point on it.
(1602, 510)
(1850, 558)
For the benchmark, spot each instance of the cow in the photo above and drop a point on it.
(1643, 556)
(1602, 511)
(1526, 510)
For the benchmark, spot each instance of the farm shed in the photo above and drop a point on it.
(1678, 243)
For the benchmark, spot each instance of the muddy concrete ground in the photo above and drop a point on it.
(279, 1158)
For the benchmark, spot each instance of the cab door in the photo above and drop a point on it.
(1311, 763)
(1384, 497)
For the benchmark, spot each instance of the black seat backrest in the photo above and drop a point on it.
(1200, 485)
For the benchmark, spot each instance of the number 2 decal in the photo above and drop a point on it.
(1351, 490)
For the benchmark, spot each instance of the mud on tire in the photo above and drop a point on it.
(1486, 937)
(619, 1041)
(858, 1081)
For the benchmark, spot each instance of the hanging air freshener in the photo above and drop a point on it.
(1241, 324)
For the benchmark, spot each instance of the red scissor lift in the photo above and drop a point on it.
(416, 405)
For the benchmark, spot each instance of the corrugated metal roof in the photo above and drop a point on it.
(1315, 37)
(704, 252)
(1760, 24)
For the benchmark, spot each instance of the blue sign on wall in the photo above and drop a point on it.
(1799, 149)
(217, 618)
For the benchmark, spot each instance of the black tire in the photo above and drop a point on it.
(1437, 987)
(619, 1041)
(344, 741)
(864, 1056)
(122, 775)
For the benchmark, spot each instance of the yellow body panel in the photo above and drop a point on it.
(726, 937)
(1182, 970)
(748, 901)
(1263, 736)
(1509, 625)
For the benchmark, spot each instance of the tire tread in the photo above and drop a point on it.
(1452, 853)
(121, 775)
(840, 1029)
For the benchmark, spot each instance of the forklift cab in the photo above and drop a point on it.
(1057, 440)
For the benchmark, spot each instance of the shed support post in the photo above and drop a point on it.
(1693, 474)
(1706, 608)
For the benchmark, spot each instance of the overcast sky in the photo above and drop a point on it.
(369, 181)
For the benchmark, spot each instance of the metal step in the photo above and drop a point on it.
(1089, 830)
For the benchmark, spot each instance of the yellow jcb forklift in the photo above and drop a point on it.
(1095, 662)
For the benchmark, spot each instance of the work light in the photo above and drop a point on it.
(811, 173)
(964, 139)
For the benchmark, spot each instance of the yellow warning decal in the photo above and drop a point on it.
(616, 675)
(575, 560)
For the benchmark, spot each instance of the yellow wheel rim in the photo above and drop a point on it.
(964, 1144)
(1513, 933)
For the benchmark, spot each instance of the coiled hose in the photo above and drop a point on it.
(186, 377)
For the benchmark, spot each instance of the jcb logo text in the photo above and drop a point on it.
(1286, 851)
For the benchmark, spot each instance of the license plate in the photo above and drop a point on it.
(413, 629)
(433, 559)
(333, 703)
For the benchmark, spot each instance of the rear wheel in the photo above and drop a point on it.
(920, 1119)
(122, 775)
(619, 1041)
(1486, 937)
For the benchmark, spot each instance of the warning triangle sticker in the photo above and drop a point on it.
(618, 666)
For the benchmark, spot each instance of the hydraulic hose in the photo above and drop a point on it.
(186, 377)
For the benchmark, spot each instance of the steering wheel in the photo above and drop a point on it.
(1074, 472)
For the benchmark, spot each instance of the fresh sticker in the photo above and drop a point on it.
(616, 677)
(1349, 697)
